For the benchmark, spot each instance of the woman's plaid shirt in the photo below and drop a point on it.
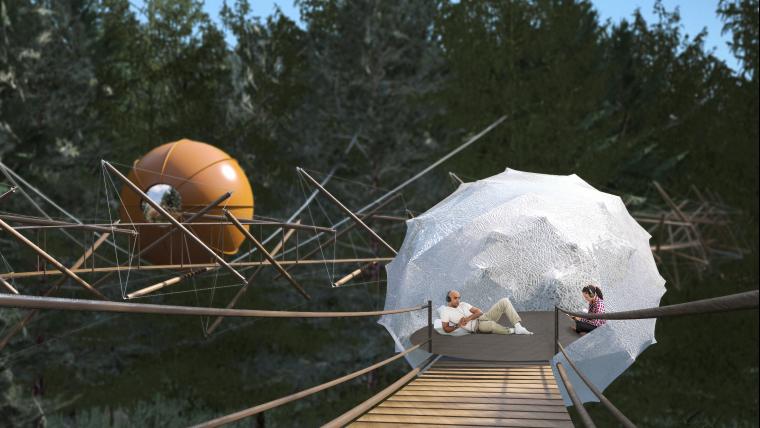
(595, 307)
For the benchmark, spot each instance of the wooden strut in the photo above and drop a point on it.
(7, 193)
(31, 274)
(51, 259)
(682, 217)
(176, 223)
(168, 282)
(283, 225)
(161, 239)
(298, 395)
(455, 178)
(8, 286)
(348, 228)
(346, 210)
(353, 274)
(243, 289)
(43, 222)
(266, 254)
(52, 290)
(35, 302)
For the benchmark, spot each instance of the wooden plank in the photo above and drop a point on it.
(493, 374)
(488, 370)
(392, 424)
(443, 421)
(494, 366)
(482, 400)
(462, 362)
(482, 394)
(446, 405)
(476, 392)
(458, 413)
(485, 386)
(497, 377)
(485, 382)
(478, 388)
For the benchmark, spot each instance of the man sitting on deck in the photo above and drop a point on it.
(457, 314)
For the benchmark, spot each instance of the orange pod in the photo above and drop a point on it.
(185, 176)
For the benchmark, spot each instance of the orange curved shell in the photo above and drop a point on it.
(200, 173)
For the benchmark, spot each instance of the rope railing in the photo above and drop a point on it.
(298, 395)
(585, 418)
(362, 408)
(732, 302)
(36, 302)
(624, 421)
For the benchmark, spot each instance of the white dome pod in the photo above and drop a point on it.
(536, 239)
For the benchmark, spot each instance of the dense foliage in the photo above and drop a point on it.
(618, 104)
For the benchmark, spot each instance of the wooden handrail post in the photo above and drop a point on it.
(430, 325)
(556, 329)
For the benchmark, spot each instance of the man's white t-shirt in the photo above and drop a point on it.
(453, 315)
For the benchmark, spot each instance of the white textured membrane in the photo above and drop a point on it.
(536, 239)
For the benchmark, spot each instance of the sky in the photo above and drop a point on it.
(695, 16)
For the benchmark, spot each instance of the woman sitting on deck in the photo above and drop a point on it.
(593, 295)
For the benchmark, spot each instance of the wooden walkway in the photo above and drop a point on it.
(455, 393)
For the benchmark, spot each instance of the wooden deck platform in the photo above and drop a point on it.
(536, 348)
(455, 392)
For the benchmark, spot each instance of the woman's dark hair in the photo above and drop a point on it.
(593, 290)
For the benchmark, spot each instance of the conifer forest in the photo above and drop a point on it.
(374, 91)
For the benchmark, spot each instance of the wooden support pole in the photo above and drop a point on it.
(32, 274)
(43, 222)
(346, 210)
(167, 283)
(682, 217)
(282, 225)
(455, 178)
(174, 221)
(352, 275)
(660, 233)
(244, 288)
(347, 228)
(266, 254)
(30, 316)
(50, 259)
